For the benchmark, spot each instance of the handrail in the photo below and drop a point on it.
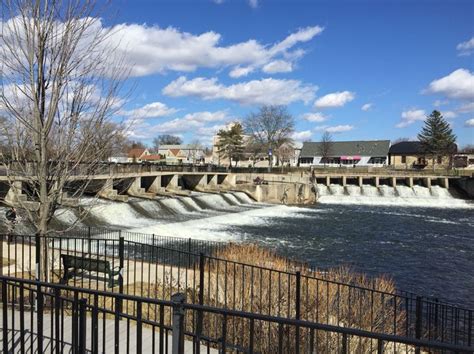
(242, 314)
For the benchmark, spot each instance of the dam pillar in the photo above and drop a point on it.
(212, 180)
(393, 181)
(409, 182)
(108, 192)
(136, 186)
(343, 181)
(173, 183)
(427, 182)
(155, 185)
(444, 182)
(360, 181)
(376, 182)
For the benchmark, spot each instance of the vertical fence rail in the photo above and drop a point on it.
(158, 269)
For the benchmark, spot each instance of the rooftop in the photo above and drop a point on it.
(342, 148)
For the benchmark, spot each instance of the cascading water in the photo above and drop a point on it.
(190, 202)
(402, 195)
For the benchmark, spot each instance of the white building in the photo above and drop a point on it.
(345, 153)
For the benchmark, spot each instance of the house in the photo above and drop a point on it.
(409, 154)
(137, 154)
(186, 154)
(345, 153)
(464, 160)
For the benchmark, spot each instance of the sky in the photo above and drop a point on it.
(362, 70)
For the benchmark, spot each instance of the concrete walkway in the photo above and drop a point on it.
(127, 335)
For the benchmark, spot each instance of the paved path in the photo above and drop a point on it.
(127, 336)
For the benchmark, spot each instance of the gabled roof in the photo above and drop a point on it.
(175, 152)
(152, 157)
(343, 148)
(136, 153)
(406, 148)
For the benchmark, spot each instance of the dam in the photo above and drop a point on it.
(294, 188)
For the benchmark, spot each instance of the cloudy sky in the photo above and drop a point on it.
(358, 69)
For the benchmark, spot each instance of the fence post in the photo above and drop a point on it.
(37, 256)
(178, 323)
(89, 239)
(344, 344)
(39, 318)
(5, 316)
(298, 309)
(197, 339)
(121, 262)
(419, 320)
(82, 326)
(189, 252)
(469, 329)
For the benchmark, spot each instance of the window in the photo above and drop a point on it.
(306, 160)
(440, 160)
(404, 159)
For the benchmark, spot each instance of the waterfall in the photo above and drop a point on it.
(402, 195)
(175, 205)
(231, 199)
(213, 201)
(243, 197)
(191, 203)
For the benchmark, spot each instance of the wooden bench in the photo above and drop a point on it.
(75, 266)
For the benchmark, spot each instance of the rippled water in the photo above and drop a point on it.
(426, 250)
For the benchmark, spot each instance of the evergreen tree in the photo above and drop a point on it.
(436, 137)
(231, 143)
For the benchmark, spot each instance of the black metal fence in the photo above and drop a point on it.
(152, 270)
(44, 317)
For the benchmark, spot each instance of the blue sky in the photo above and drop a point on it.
(359, 69)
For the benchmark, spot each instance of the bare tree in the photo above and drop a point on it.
(326, 146)
(270, 127)
(166, 139)
(196, 150)
(61, 80)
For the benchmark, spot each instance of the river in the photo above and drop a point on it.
(423, 239)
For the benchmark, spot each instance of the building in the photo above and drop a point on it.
(137, 154)
(182, 154)
(345, 153)
(409, 154)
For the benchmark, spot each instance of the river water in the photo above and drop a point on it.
(423, 239)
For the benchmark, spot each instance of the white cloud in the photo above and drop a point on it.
(469, 122)
(239, 71)
(466, 48)
(150, 110)
(335, 129)
(411, 116)
(449, 114)
(199, 123)
(265, 91)
(278, 66)
(459, 84)
(465, 108)
(366, 107)
(439, 103)
(335, 99)
(253, 3)
(152, 49)
(302, 135)
(315, 117)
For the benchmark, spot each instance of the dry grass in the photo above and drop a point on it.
(238, 286)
